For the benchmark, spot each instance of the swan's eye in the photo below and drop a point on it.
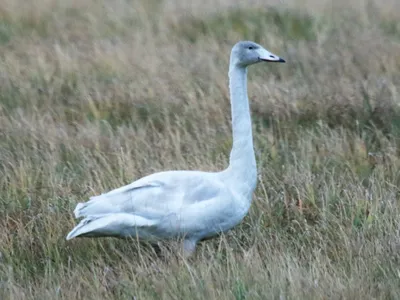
(251, 48)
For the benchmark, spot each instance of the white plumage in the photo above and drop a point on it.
(190, 204)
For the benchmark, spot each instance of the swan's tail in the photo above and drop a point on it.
(77, 210)
(120, 224)
(97, 205)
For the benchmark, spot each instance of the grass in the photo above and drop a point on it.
(291, 25)
(95, 94)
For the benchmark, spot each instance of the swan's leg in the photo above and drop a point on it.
(189, 246)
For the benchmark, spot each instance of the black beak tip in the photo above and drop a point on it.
(281, 60)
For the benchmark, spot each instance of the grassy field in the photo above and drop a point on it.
(95, 94)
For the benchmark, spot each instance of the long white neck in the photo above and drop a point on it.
(242, 163)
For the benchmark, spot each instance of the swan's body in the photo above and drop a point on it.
(189, 204)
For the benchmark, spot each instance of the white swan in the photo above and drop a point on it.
(190, 204)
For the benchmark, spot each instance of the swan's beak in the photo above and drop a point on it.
(269, 57)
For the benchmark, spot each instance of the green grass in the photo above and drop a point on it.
(247, 23)
(94, 95)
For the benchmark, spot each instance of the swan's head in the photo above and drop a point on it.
(246, 53)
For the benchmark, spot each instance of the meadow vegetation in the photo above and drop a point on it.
(95, 94)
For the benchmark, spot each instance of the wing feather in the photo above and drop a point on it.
(155, 196)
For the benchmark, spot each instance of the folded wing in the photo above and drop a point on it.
(155, 196)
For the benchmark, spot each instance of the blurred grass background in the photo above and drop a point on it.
(95, 94)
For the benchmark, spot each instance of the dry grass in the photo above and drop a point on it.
(94, 94)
